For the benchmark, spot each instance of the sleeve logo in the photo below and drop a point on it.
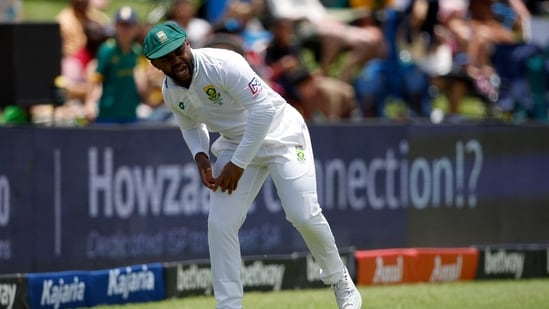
(254, 85)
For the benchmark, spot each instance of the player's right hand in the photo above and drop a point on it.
(205, 169)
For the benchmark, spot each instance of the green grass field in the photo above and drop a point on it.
(46, 10)
(501, 294)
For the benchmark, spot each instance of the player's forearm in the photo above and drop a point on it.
(257, 127)
(197, 140)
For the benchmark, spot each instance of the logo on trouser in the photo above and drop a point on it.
(300, 153)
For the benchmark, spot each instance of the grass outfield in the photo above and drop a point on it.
(501, 294)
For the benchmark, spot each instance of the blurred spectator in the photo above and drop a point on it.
(240, 29)
(393, 77)
(243, 18)
(450, 46)
(331, 38)
(72, 20)
(317, 97)
(76, 75)
(119, 82)
(101, 5)
(76, 68)
(501, 62)
(282, 56)
(183, 12)
(11, 10)
(321, 98)
(154, 111)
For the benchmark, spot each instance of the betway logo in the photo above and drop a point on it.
(255, 274)
(259, 274)
(388, 273)
(194, 278)
(502, 262)
(62, 293)
(7, 295)
(130, 282)
(446, 272)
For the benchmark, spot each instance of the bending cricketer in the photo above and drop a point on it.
(216, 90)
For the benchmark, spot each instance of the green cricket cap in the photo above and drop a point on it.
(163, 39)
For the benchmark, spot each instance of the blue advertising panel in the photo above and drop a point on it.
(104, 197)
(478, 184)
(69, 289)
(137, 283)
(121, 197)
(360, 187)
(16, 185)
(114, 197)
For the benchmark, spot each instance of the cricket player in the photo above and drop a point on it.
(215, 90)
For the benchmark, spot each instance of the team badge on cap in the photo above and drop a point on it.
(162, 37)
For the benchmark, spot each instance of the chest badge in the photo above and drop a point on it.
(181, 105)
(213, 94)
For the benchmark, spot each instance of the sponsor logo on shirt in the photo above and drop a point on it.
(181, 105)
(213, 94)
(254, 85)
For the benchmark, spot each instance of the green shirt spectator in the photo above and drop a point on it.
(120, 97)
(115, 94)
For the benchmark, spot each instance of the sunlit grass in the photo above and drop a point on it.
(46, 10)
(488, 294)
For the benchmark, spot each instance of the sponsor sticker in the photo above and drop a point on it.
(254, 85)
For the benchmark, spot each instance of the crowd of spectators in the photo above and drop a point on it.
(349, 60)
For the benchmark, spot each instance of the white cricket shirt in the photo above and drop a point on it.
(228, 97)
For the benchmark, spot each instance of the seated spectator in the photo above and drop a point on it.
(451, 38)
(320, 98)
(76, 68)
(282, 56)
(118, 88)
(487, 32)
(240, 29)
(11, 10)
(317, 97)
(72, 20)
(393, 78)
(500, 62)
(356, 43)
(76, 72)
(183, 12)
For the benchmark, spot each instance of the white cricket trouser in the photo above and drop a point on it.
(296, 186)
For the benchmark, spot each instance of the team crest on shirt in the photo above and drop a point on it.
(254, 85)
(213, 94)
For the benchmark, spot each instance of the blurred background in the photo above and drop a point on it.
(343, 60)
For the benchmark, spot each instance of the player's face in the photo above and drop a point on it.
(178, 65)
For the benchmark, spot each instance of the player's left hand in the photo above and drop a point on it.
(229, 177)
